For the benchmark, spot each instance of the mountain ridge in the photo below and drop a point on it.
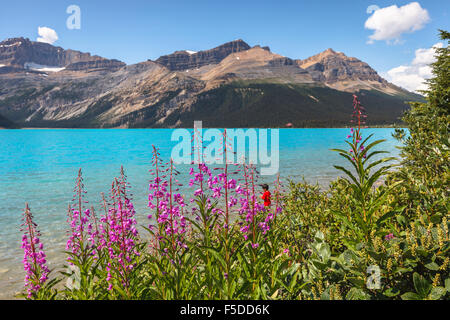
(182, 60)
(18, 52)
(44, 85)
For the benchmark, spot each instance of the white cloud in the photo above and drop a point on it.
(426, 56)
(412, 77)
(47, 35)
(391, 22)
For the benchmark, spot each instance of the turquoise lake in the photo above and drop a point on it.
(39, 166)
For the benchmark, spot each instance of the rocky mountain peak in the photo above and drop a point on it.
(13, 41)
(22, 53)
(321, 57)
(331, 66)
(329, 51)
(183, 60)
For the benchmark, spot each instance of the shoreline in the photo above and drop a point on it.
(394, 126)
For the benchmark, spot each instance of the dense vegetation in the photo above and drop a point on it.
(377, 233)
(6, 123)
(244, 104)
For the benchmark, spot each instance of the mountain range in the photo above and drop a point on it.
(232, 85)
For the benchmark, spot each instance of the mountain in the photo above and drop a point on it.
(331, 66)
(231, 85)
(344, 73)
(21, 54)
(182, 60)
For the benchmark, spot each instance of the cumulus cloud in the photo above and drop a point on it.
(391, 22)
(412, 77)
(47, 35)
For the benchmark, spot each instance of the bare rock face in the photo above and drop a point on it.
(9, 69)
(20, 52)
(96, 64)
(331, 66)
(282, 62)
(267, 48)
(183, 60)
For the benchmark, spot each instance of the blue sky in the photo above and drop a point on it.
(135, 30)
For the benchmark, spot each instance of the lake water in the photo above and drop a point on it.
(40, 167)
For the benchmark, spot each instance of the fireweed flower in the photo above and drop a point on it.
(34, 259)
(358, 120)
(255, 217)
(169, 204)
(358, 116)
(82, 234)
(205, 183)
(121, 240)
(201, 175)
(158, 186)
(389, 236)
(224, 184)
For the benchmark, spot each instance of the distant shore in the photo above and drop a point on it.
(344, 127)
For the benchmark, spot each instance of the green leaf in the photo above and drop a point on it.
(324, 252)
(375, 163)
(365, 140)
(422, 286)
(436, 219)
(371, 145)
(410, 296)
(373, 154)
(437, 293)
(319, 235)
(357, 282)
(319, 265)
(432, 266)
(391, 292)
(217, 255)
(386, 217)
(325, 295)
(401, 220)
(348, 173)
(356, 294)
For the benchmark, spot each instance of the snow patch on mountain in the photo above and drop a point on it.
(10, 45)
(40, 67)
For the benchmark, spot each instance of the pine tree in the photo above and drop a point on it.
(425, 155)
